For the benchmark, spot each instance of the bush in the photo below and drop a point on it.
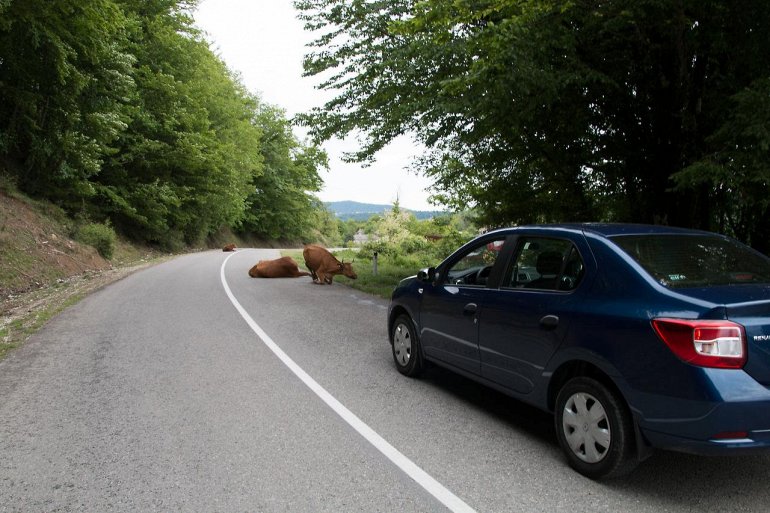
(368, 249)
(100, 236)
(413, 244)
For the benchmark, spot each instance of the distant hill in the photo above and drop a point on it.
(345, 210)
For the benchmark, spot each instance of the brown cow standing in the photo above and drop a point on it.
(323, 265)
(284, 267)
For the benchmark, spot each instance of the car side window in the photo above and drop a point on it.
(475, 266)
(545, 264)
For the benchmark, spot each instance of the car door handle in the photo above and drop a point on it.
(470, 309)
(549, 322)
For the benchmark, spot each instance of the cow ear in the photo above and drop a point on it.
(342, 265)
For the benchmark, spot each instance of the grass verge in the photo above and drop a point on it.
(16, 331)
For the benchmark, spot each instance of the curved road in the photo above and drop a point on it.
(157, 394)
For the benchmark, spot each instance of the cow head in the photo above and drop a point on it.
(346, 268)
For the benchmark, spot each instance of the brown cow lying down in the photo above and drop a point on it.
(323, 265)
(284, 267)
(229, 247)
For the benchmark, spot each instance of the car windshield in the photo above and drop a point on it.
(680, 261)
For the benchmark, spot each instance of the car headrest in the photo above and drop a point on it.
(549, 263)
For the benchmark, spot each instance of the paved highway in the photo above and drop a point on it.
(191, 387)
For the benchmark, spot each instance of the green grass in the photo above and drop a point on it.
(6, 341)
(16, 268)
(389, 273)
(13, 334)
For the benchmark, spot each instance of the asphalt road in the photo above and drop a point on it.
(156, 394)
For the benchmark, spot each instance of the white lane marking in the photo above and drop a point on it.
(447, 498)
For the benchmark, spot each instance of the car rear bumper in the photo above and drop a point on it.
(736, 419)
(754, 442)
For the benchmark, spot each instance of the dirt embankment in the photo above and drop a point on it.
(42, 270)
(35, 247)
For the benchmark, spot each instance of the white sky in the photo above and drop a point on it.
(265, 42)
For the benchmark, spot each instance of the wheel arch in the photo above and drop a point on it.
(577, 368)
(395, 312)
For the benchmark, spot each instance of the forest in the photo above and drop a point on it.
(654, 111)
(119, 112)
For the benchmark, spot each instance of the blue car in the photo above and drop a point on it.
(635, 337)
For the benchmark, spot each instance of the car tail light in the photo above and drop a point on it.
(706, 343)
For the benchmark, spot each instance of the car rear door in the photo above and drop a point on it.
(523, 322)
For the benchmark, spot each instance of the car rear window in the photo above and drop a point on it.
(680, 261)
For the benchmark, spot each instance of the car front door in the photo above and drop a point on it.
(450, 308)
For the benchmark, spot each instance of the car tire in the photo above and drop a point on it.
(594, 429)
(406, 347)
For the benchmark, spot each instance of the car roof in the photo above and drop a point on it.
(613, 229)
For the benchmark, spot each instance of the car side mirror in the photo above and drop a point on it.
(426, 275)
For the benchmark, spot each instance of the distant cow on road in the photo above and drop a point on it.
(229, 247)
(323, 265)
(284, 267)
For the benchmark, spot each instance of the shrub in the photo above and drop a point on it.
(369, 248)
(411, 244)
(100, 236)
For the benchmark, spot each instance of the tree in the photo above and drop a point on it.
(546, 111)
(281, 204)
(119, 111)
(736, 168)
(185, 163)
(64, 77)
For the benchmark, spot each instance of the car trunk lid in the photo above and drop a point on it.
(755, 318)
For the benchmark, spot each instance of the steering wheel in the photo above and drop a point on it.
(483, 275)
